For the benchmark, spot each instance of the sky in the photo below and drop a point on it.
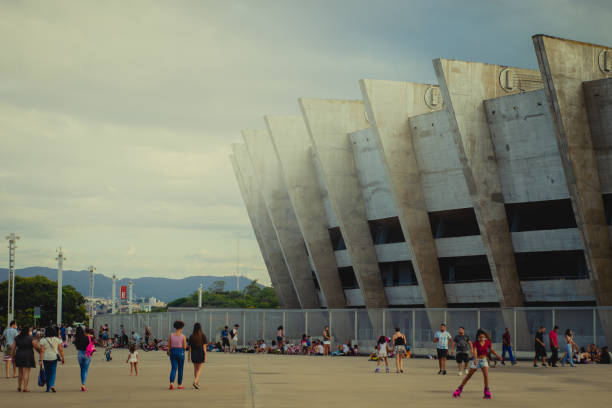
(116, 117)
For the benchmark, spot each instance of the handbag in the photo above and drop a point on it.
(42, 377)
(90, 348)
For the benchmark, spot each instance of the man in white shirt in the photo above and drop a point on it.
(9, 335)
(442, 339)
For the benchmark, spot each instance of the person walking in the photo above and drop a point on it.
(133, 359)
(177, 343)
(442, 338)
(399, 346)
(234, 339)
(326, 341)
(8, 336)
(569, 348)
(480, 349)
(147, 335)
(382, 352)
(462, 346)
(225, 339)
(553, 342)
(280, 336)
(507, 347)
(197, 352)
(540, 347)
(22, 351)
(84, 345)
(52, 351)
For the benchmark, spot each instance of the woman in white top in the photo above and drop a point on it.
(51, 351)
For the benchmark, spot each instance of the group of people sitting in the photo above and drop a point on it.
(593, 355)
(306, 346)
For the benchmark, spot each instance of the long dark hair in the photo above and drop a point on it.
(80, 333)
(25, 331)
(198, 337)
(50, 332)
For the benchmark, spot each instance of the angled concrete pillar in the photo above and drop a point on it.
(248, 203)
(598, 98)
(279, 273)
(329, 122)
(292, 145)
(465, 86)
(389, 105)
(268, 171)
(565, 65)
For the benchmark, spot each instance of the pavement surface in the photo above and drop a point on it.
(254, 381)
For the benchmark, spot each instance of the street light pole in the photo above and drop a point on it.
(114, 295)
(60, 270)
(130, 297)
(12, 239)
(91, 295)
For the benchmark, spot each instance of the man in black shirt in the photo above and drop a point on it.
(540, 347)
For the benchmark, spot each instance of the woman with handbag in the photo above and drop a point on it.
(84, 345)
(51, 351)
(23, 353)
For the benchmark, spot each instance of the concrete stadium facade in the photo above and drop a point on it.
(491, 188)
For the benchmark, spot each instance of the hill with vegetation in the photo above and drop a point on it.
(253, 296)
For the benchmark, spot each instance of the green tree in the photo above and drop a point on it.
(40, 291)
(253, 296)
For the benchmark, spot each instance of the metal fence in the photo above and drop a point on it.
(363, 326)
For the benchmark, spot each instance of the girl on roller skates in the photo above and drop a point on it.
(480, 348)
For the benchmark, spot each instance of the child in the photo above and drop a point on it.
(108, 351)
(382, 348)
(133, 359)
(480, 348)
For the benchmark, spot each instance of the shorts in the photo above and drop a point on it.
(7, 356)
(279, 338)
(327, 342)
(462, 358)
(234, 341)
(382, 354)
(401, 349)
(225, 341)
(442, 353)
(540, 352)
(479, 363)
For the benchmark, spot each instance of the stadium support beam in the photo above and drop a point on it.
(292, 146)
(465, 85)
(274, 192)
(565, 66)
(389, 105)
(264, 230)
(329, 122)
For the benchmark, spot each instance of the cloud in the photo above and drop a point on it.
(116, 118)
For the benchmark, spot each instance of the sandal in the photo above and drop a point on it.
(196, 386)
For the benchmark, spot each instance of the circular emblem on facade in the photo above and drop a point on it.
(605, 61)
(433, 97)
(508, 80)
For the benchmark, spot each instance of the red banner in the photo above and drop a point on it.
(124, 293)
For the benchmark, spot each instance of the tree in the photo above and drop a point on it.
(254, 296)
(40, 291)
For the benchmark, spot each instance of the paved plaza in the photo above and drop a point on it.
(247, 380)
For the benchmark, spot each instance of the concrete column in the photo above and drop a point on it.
(465, 85)
(565, 65)
(389, 105)
(329, 122)
(292, 145)
(248, 202)
(279, 273)
(274, 192)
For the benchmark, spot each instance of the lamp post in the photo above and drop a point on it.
(131, 286)
(60, 269)
(91, 294)
(12, 239)
(114, 295)
(200, 297)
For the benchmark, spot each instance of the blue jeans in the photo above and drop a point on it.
(177, 360)
(568, 357)
(509, 350)
(50, 369)
(84, 364)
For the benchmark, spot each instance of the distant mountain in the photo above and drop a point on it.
(162, 288)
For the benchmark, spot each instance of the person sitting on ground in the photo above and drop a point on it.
(604, 356)
(319, 350)
(593, 353)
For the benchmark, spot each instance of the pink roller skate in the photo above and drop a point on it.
(457, 392)
(487, 394)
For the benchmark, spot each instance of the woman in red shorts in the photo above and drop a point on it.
(480, 348)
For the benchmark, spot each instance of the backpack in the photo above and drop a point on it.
(90, 348)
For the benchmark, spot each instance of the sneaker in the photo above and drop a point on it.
(503, 363)
(439, 372)
(387, 370)
(171, 387)
(443, 372)
(514, 363)
(180, 387)
(460, 373)
(457, 393)
(535, 366)
(377, 370)
(487, 394)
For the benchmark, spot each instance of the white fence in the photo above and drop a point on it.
(363, 326)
